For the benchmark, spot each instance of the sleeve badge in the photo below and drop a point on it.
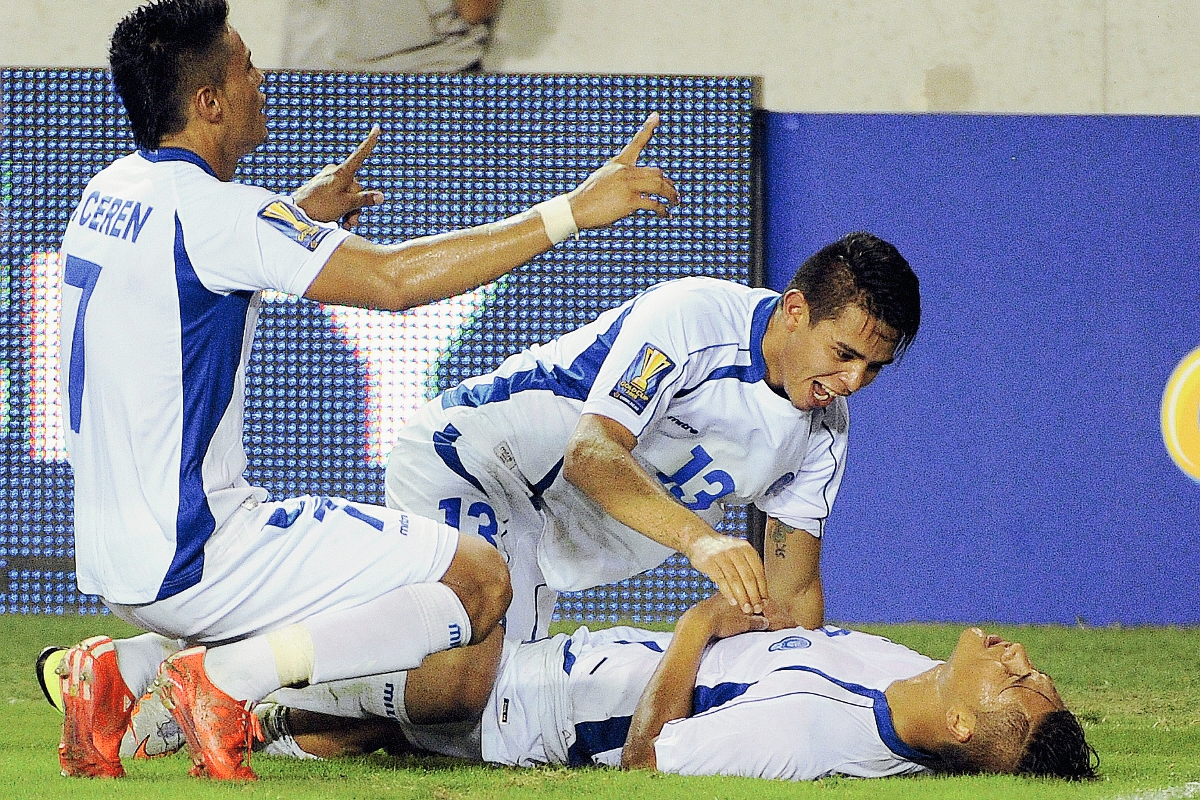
(295, 224)
(642, 378)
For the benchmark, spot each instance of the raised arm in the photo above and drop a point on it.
(599, 460)
(792, 557)
(361, 273)
(668, 695)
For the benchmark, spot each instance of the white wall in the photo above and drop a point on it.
(1019, 56)
(74, 33)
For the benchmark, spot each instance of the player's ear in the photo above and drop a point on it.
(960, 723)
(795, 309)
(206, 104)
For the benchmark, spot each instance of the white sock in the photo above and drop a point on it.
(393, 632)
(244, 670)
(390, 633)
(139, 657)
(357, 698)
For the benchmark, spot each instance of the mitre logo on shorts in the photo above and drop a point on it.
(295, 224)
(790, 643)
(640, 381)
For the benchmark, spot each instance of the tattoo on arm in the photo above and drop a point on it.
(779, 535)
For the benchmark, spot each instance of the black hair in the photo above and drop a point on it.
(160, 54)
(1056, 748)
(860, 269)
(993, 746)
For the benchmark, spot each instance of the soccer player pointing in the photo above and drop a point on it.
(167, 530)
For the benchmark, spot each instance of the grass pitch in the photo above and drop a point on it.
(1137, 691)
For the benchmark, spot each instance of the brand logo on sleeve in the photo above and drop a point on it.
(790, 643)
(641, 380)
(295, 224)
(781, 483)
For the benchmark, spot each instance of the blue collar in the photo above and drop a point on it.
(758, 329)
(883, 716)
(176, 154)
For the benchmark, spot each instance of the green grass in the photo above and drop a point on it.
(1137, 691)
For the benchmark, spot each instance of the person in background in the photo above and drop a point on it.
(387, 35)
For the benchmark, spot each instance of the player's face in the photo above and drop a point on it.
(242, 98)
(814, 364)
(990, 674)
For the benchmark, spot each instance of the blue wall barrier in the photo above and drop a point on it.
(1012, 466)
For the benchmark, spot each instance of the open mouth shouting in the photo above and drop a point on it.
(822, 394)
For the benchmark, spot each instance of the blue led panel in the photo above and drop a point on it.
(329, 386)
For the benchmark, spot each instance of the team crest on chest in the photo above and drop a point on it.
(641, 380)
(294, 223)
(790, 643)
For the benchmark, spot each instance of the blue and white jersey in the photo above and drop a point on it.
(792, 705)
(680, 366)
(163, 264)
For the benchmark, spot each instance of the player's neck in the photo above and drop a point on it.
(919, 711)
(207, 147)
(771, 345)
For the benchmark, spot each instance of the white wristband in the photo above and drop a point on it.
(557, 218)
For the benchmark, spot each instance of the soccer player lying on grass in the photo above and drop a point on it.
(719, 696)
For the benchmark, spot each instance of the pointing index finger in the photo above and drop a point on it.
(630, 152)
(356, 159)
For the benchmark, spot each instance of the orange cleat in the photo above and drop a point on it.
(96, 709)
(152, 731)
(219, 730)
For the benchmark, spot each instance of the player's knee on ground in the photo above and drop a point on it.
(479, 576)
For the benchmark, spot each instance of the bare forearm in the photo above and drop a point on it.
(807, 609)
(599, 460)
(609, 474)
(668, 695)
(419, 271)
(792, 557)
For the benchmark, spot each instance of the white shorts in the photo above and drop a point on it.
(569, 699)
(274, 564)
(433, 473)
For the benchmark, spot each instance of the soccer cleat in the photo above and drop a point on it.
(96, 709)
(46, 669)
(152, 731)
(219, 730)
(277, 739)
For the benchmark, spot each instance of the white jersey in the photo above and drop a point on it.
(160, 294)
(792, 705)
(680, 366)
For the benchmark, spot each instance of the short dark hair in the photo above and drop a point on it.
(862, 270)
(1057, 748)
(994, 744)
(1054, 747)
(160, 54)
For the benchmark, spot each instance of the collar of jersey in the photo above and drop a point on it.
(882, 711)
(176, 154)
(758, 329)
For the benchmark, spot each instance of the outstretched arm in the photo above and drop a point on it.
(361, 273)
(668, 695)
(599, 460)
